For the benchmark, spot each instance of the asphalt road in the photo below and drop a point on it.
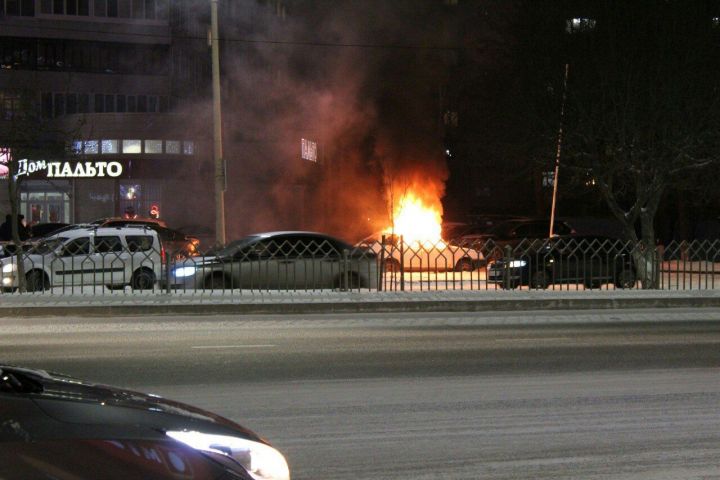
(636, 396)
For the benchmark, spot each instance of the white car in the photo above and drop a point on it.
(396, 255)
(87, 256)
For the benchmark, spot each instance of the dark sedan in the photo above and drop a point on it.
(590, 261)
(53, 426)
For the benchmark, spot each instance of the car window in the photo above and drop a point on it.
(139, 243)
(107, 244)
(78, 246)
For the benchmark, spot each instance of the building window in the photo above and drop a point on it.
(91, 147)
(99, 103)
(64, 7)
(9, 105)
(153, 146)
(172, 147)
(84, 103)
(59, 104)
(120, 104)
(26, 8)
(71, 103)
(188, 147)
(132, 146)
(579, 25)
(109, 103)
(109, 146)
(142, 103)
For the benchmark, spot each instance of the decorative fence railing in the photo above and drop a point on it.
(574, 263)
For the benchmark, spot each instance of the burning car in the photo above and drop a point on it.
(396, 254)
(414, 242)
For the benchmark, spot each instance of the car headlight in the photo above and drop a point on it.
(261, 461)
(9, 268)
(184, 271)
(517, 263)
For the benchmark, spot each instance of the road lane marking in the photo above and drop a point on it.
(203, 347)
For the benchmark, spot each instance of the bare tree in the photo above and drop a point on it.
(643, 111)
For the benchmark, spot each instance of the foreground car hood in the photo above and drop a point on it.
(72, 401)
(62, 428)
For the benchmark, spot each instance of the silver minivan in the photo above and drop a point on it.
(89, 256)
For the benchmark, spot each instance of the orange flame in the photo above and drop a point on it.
(420, 224)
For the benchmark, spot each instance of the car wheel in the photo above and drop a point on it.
(216, 281)
(625, 279)
(464, 265)
(511, 285)
(539, 280)
(143, 279)
(391, 265)
(36, 281)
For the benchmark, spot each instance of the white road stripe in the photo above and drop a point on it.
(230, 346)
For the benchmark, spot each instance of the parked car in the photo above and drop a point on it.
(590, 261)
(55, 426)
(396, 255)
(280, 260)
(114, 257)
(122, 221)
(41, 230)
(512, 233)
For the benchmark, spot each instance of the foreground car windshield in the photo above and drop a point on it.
(47, 246)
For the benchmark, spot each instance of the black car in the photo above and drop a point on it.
(590, 261)
(53, 426)
(512, 232)
(41, 230)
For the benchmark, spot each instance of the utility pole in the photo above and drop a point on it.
(557, 153)
(220, 180)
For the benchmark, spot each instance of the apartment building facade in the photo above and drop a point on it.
(126, 83)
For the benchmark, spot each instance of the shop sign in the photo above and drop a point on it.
(68, 169)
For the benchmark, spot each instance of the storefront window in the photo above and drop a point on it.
(77, 147)
(132, 146)
(153, 146)
(43, 202)
(109, 146)
(172, 147)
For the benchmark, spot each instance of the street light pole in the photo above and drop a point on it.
(557, 153)
(220, 181)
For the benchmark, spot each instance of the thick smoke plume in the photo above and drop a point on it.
(352, 76)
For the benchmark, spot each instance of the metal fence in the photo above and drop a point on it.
(391, 264)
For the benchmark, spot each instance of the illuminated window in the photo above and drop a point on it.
(579, 25)
(153, 146)
(109, 146)
(132, 146)
(188, 148)
(77, 147)
(91, 147)
(172, 147)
